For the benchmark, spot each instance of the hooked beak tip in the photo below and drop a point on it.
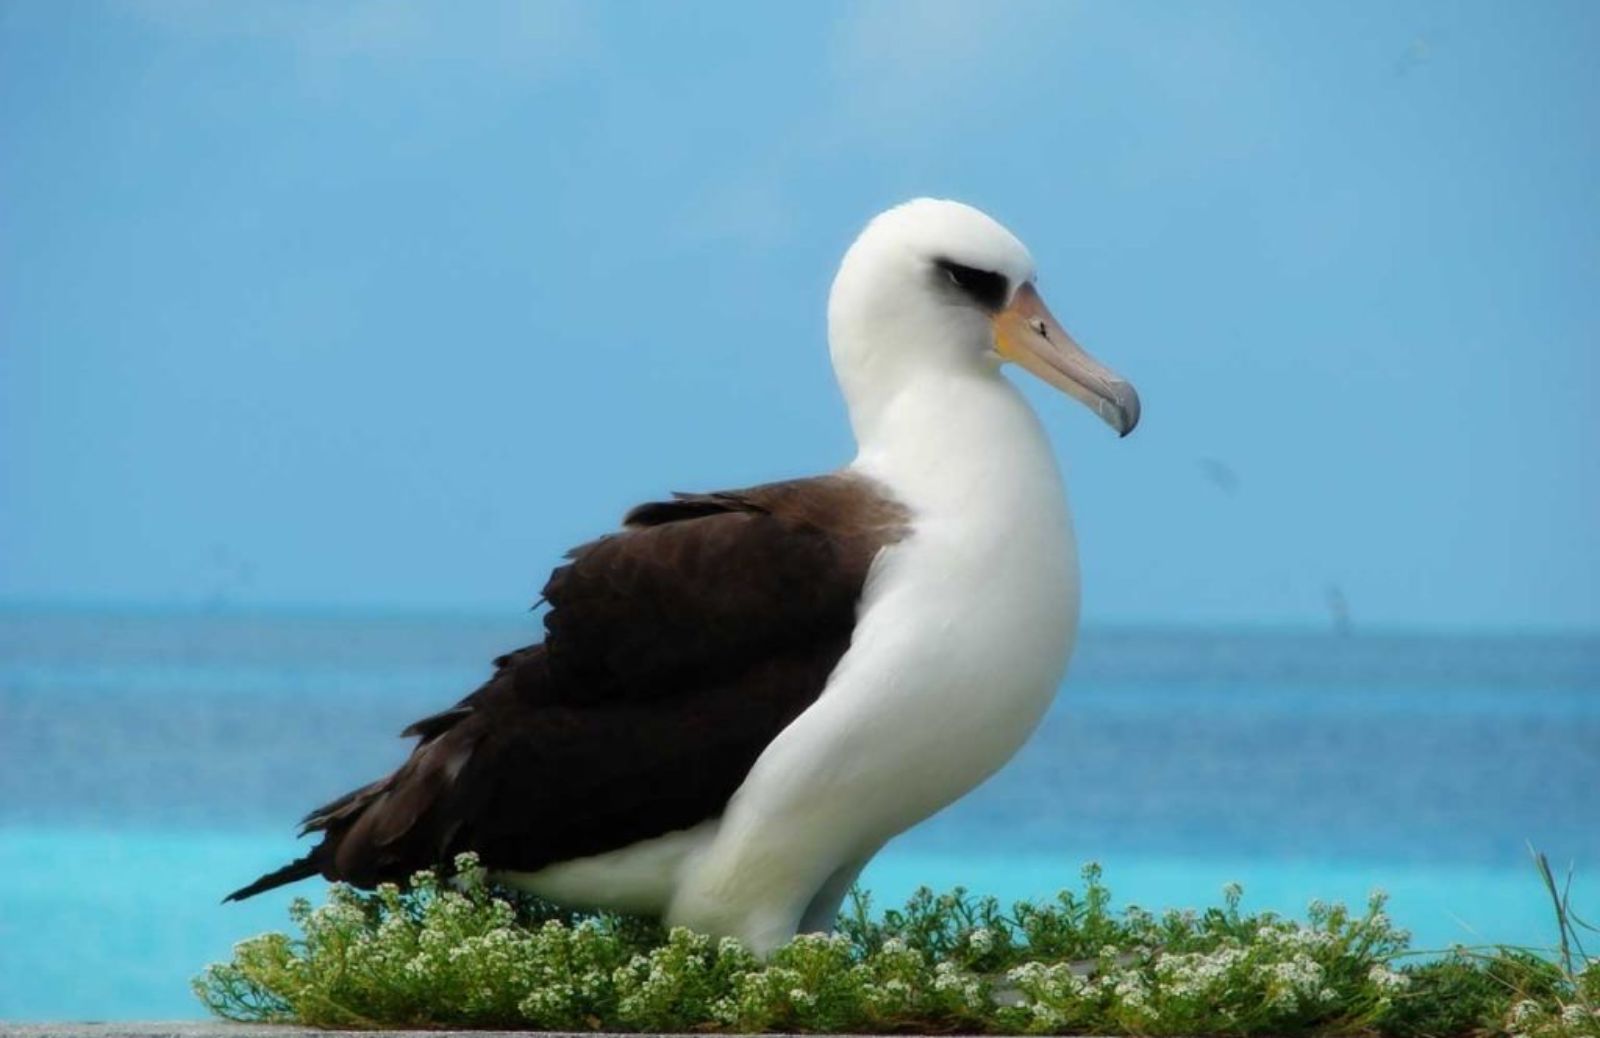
(1121, 408)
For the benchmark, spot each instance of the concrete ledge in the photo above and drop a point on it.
(220, 1029)
(223, 1029)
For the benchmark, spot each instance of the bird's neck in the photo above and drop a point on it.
(961, 443)
(990, 530)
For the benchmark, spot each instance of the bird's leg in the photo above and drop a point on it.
(822, 914)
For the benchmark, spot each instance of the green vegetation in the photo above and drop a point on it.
(464, 954)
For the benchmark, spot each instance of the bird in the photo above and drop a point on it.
(742, 695)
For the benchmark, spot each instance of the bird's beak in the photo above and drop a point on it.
(1026, 332)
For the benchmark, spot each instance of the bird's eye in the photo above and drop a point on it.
(984, 287)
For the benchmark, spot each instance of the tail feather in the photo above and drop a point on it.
(408, 820)
(299, 869)
(343, 810)
(346, 807)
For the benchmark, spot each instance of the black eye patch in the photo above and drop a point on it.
(984, 287)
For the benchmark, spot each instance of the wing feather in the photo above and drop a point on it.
(674, 651)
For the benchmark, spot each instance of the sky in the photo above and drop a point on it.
(380, 306)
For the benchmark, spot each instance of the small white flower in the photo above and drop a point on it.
(1131, 991)
(1577, 1016)
(1524, 1012)
(1047, 1017)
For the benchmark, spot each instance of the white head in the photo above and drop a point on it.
(935, 286)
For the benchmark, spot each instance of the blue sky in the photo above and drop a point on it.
(384, 304)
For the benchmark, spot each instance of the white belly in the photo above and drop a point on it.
(639, 879)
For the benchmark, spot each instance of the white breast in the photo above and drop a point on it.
(968, 624)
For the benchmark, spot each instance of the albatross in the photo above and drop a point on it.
(742, 695)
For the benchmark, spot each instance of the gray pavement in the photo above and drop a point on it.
(220, 1029)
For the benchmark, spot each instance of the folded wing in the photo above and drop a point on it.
(674, 651)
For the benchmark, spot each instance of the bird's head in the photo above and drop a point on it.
(934, 284)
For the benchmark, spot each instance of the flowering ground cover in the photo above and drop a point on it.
(464, 954)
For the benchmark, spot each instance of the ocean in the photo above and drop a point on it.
(150, 763)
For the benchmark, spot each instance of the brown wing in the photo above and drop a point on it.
(675, 650)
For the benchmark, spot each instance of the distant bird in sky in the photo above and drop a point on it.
(1220, 475)
(742, 695)
(1416, 54)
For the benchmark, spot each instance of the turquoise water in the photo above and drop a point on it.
(149, 764)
